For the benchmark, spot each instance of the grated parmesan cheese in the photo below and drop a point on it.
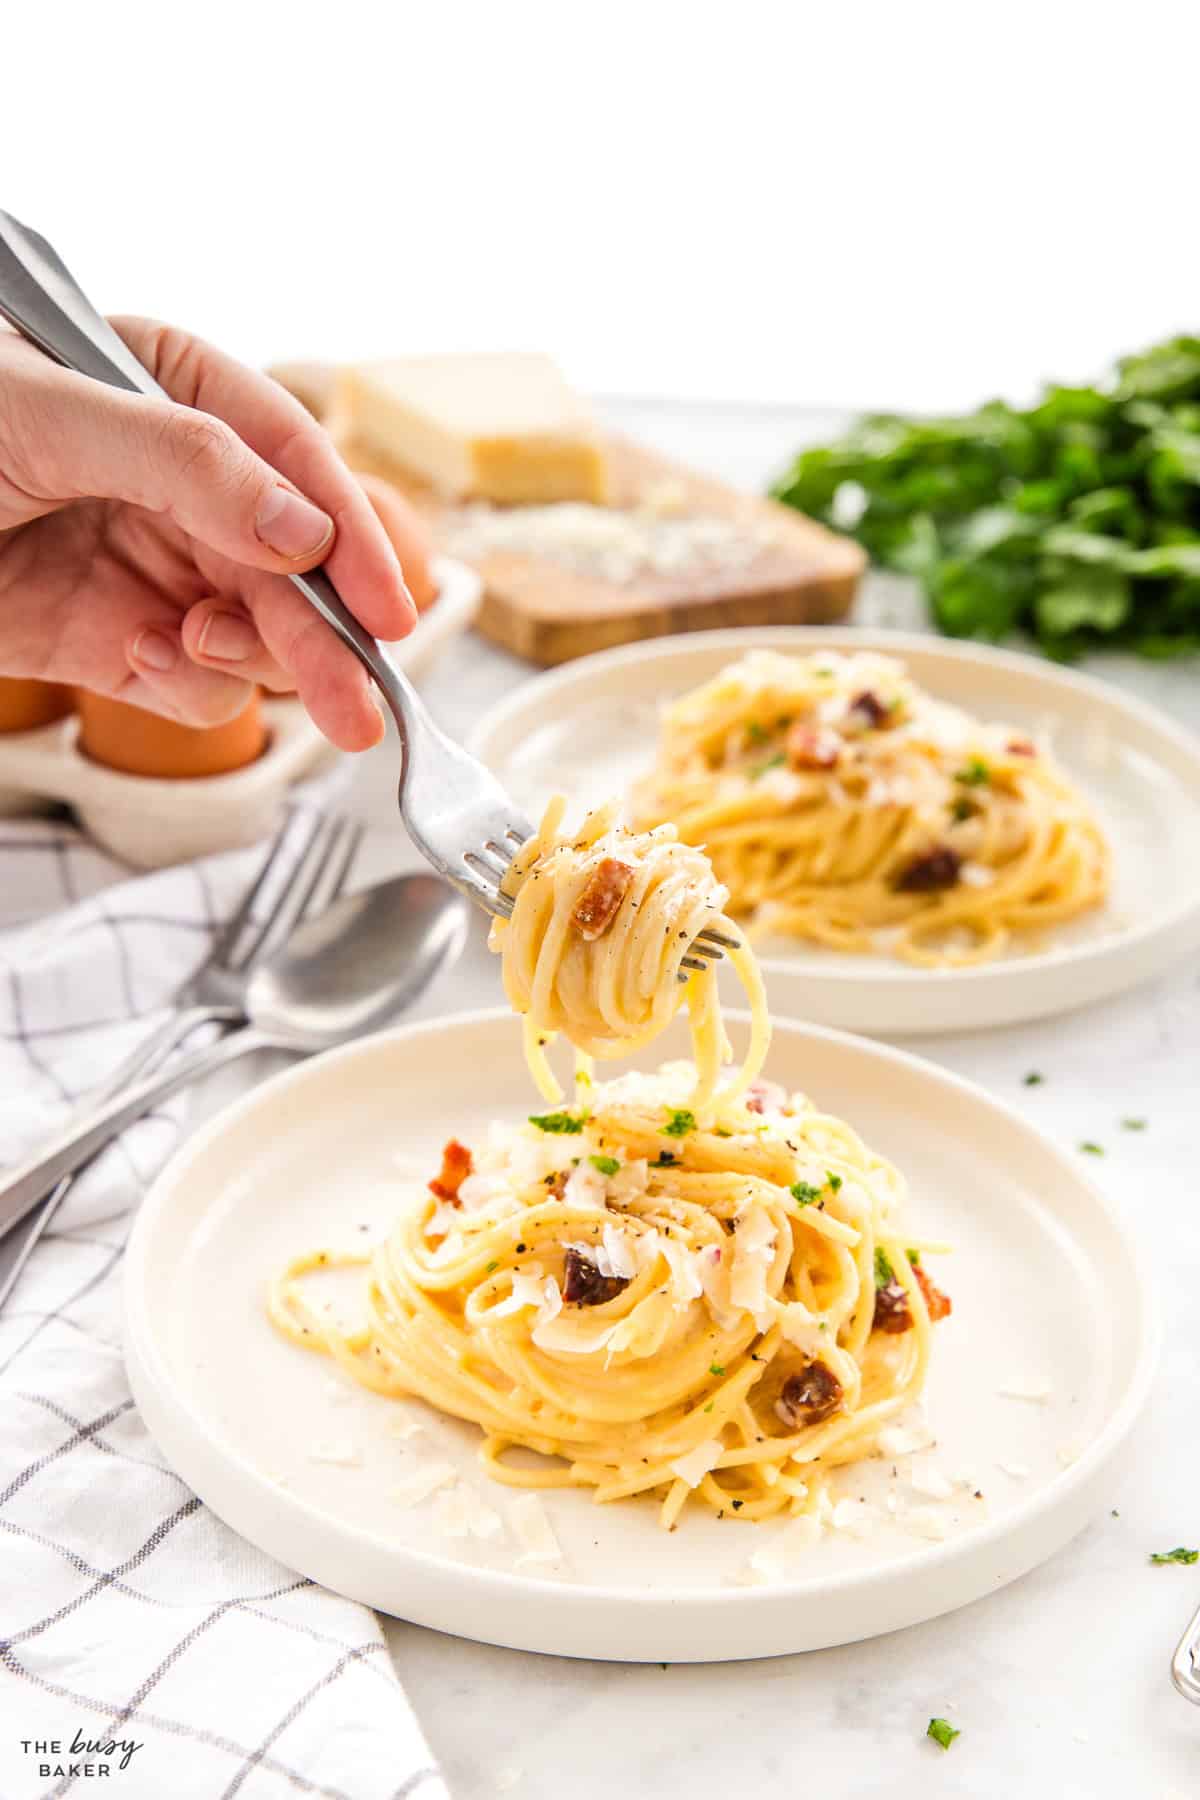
(927, 1522)
(776, 1559)
(339, 1450)
(411, 1489)
(932, 1483)
(614, 544)
(461, 1513)
(1036, 1391)
(856, 1518)
(900, 1440)
(1015, 1471)
(693, 1467)
(533, 1531)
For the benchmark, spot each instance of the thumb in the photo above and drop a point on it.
(108, 444)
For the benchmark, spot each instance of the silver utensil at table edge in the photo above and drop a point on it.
(213, 993)
(349, 971)
(1185, 1664)
(458, 815)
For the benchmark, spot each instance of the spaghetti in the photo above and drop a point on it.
(594, 948)
(841, 804)
(627, 1301)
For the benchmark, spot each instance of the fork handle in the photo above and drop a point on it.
(78, 1142)
(43, 300)
(150, 1050)
(16, 1247)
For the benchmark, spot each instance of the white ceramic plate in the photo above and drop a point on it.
(1048, 1297)
(590, 728)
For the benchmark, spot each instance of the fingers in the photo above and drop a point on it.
(220, 634)
(329, 679)
(121, 636)
(164, 679)
(272, 426)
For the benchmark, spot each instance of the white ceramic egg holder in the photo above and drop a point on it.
(150, 821)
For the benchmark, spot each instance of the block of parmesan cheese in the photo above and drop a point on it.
(495, 426)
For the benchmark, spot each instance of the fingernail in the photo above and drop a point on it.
(155, 650)
(291, 525)
(227, 638)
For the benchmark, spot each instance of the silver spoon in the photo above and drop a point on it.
(347, 972)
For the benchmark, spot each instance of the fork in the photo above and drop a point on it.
(212, 994)
(457, 814)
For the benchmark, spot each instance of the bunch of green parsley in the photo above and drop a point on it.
(1077, 520)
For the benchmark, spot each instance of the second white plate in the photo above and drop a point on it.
(589, 729)
(1036, 1379)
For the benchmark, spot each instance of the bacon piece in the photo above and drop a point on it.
(929, 872)
(584, 1285)
(457, 1164)
(940, 1305)
(868, 712)
(893, 1312)
(764, 1096)
(1021, 747)
(813, 1394)
(596, 907)
(812, 747)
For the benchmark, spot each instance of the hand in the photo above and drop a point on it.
(141, 539)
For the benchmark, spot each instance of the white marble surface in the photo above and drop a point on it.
(1059, 1683)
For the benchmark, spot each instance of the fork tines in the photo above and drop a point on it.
(491, 864)
(318, 873)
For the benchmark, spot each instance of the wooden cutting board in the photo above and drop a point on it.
(796, 571)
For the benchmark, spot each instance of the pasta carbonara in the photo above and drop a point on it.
(841, 804)
(627, 1300)
(601, 925)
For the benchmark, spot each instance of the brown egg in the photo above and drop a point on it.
(24, 705)
(141, 743)
(409, 534)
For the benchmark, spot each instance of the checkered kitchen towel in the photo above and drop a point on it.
(131, 1619)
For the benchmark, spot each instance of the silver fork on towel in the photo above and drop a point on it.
(212, 994)
(457, 814)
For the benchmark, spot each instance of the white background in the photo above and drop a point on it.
(837, 204)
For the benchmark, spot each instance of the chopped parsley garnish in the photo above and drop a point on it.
(914, 1257)
(722, 1131)
(604, 1165)
(755, 732)
(974, 773)
(961, 809)
(716, 1369)
(884, 1271)
(707, 1408)
(772, 762)
(570, 1123)
(1133, 1124)
(664, 1160)
(1090, 1149)
(679, 1122)
(1178, 1555)
(942, 1732)
(1034, 1078)
(490, 1267)
(804, 1193)
(835, 1181)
